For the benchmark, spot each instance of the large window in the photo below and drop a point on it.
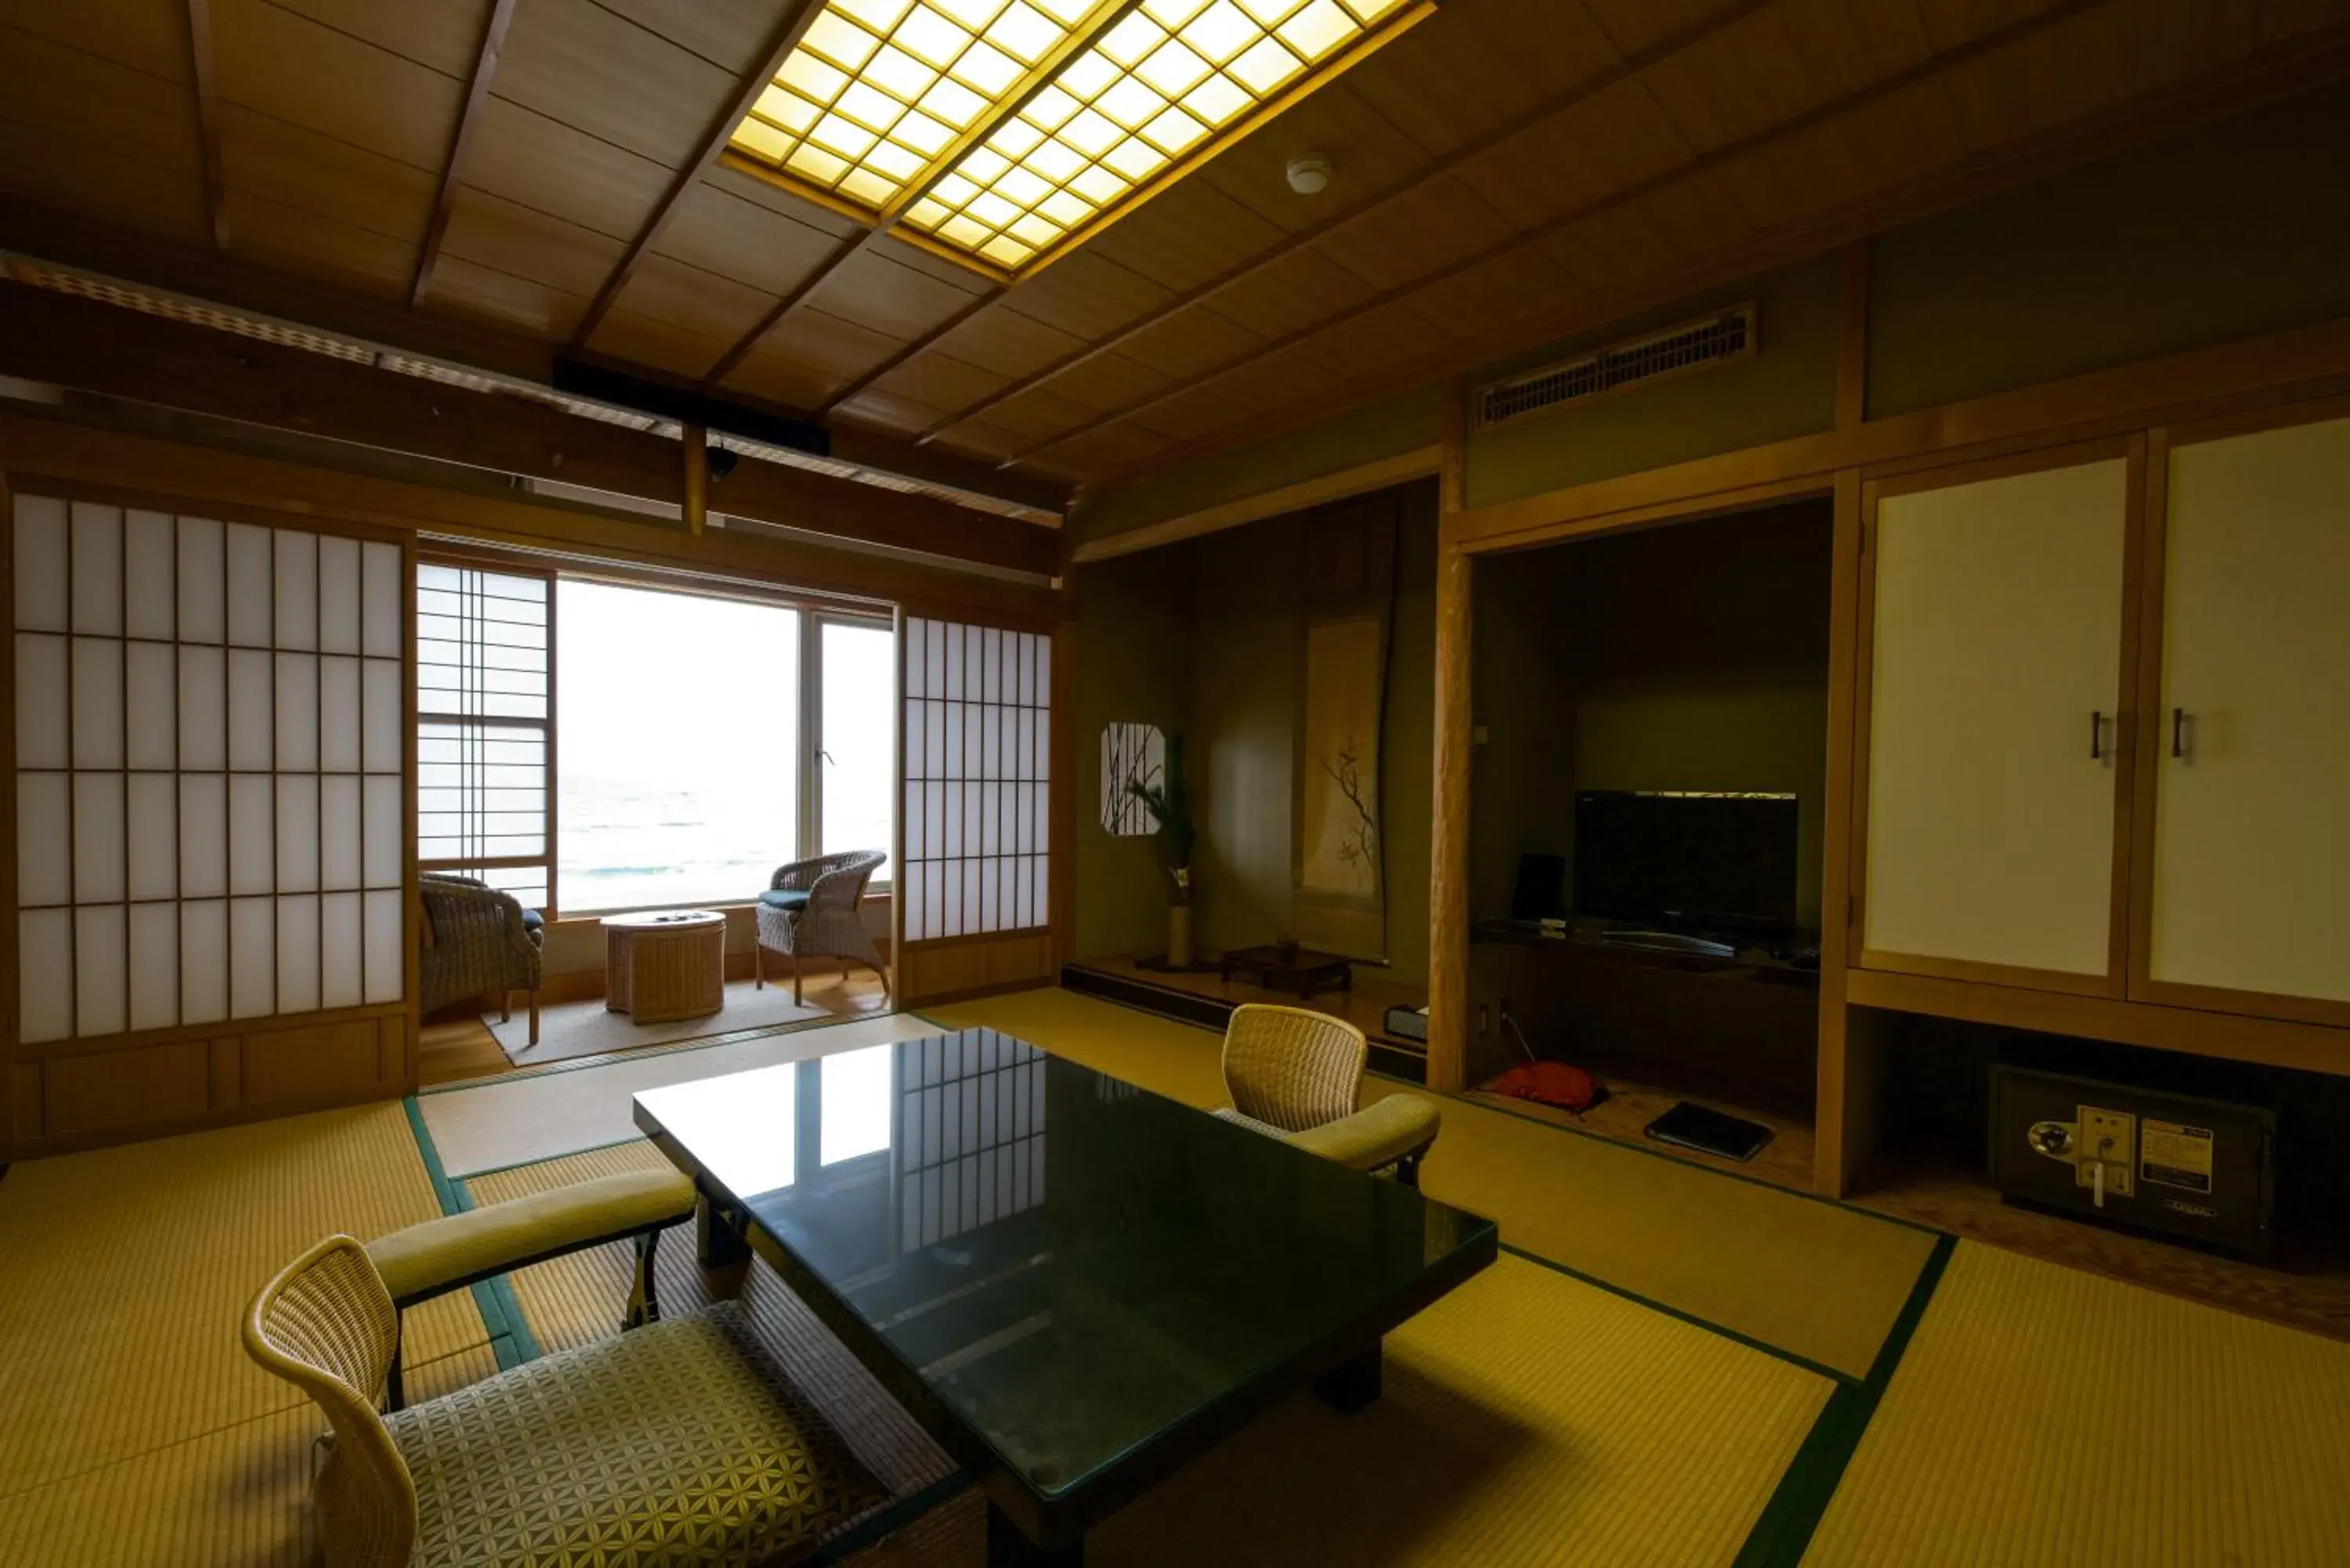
(679, 773)
(857, 761)
(592, 747)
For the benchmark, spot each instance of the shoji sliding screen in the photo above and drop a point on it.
(485, 727)
(210, 779)
(976, 902)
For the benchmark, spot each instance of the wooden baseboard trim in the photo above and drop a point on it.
(142, 1132)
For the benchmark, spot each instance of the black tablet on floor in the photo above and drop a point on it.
(1709, 1132)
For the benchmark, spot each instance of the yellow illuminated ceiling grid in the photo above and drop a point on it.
(878, 103)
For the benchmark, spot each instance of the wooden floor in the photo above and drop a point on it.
(457, 1045)
(1629, 1107)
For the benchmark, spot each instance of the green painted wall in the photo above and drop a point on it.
(1786, 387)
(2228, 231)
(2234, 230)
(1692, 655)
(1133, 665)
(1248, 643)
(1387, 427)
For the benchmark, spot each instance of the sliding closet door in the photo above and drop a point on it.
(209, 770)
(1994, 779)
(975, 900)
(2248, 860)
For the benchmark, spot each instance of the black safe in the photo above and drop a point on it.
(2178, 1164)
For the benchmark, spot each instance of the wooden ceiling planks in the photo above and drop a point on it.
(75, 176)
(443, 35)
(1250, 275)
(285, 64)
(50, 86)
(716, 124)
(1506, 161)
(148, 35)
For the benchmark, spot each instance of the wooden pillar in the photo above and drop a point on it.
(1448, 891)
(1845, 1098)
(696, 443)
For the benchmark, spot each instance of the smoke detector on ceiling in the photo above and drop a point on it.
(1309, 174)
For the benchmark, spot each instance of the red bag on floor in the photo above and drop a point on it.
(1549, 1083)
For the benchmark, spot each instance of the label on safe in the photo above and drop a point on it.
(2171, 1155)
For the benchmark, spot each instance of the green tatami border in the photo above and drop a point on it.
(1784, 1530)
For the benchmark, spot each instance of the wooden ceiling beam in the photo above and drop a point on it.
(2280, 71)
(797, 18)
(116, 352)
(78, 242)
(205, 72)
(979, 302)
(980, 129)
(1932, 66)
(452, 167)
(1624, 71)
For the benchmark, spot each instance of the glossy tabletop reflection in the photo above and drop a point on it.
(1069, 1267)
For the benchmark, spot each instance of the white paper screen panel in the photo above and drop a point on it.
(484, 787)
(978, 783)
(211, 753)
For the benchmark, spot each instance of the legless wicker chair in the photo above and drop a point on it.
(1288, 1069)
(1297, 1076)
(677, 1444)
(809, 911)
(476, 942)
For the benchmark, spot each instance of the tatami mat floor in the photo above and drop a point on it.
(1694, 1402)
(1817, 1281)
(2044, 1417)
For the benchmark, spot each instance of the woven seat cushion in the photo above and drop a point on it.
(676, 1446)
(784, 898)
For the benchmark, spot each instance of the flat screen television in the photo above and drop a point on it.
(1686, 859)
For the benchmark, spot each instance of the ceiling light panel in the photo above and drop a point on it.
(1166, 79)
(877, 90)
(879, 103)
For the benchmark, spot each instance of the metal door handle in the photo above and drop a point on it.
(2179, 732)
(2097, 737)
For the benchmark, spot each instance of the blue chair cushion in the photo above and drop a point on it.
(533, 921)
(782, 898)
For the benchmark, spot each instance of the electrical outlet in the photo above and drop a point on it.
(2105, 1141)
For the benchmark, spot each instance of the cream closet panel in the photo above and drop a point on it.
(2251, 842)
(1997, 634)
(209, 770)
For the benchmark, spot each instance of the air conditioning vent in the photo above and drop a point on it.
(1637, 361)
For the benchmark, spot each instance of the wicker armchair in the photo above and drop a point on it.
(679, 1443)
(476, 942)
(1297, 1076)
(1288, 1069)
(822, 921)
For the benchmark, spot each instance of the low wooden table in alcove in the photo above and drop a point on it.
(660, 967)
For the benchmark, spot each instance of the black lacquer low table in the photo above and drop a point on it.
(1073, 1284)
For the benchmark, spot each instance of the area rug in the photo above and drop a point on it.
(588, 1028)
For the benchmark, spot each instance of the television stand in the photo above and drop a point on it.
(1669, 943)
